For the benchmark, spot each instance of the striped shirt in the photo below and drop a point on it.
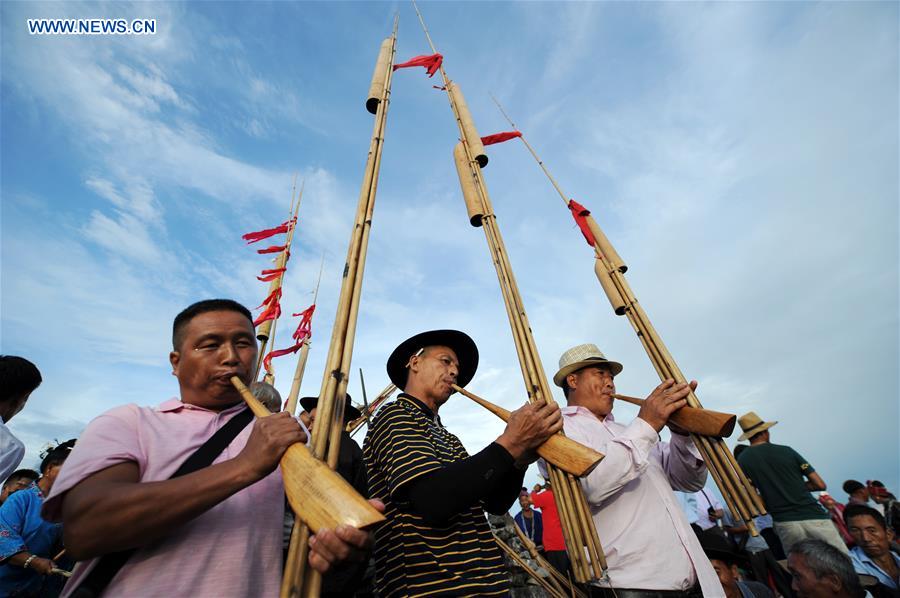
(412, 557)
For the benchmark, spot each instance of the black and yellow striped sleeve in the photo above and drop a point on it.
(401, 449)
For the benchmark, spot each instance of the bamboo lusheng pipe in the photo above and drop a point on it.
(531, 572)
(384, 395)
(570, 456)
(696, 420)
(736, 489)
(318, 495)
(587, 558)
(298, 580)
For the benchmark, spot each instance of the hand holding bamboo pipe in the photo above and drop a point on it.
(695, 420)
(565, 453)
(318, 495)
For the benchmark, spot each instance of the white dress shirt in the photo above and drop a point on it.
(11, 452)
(645, 535)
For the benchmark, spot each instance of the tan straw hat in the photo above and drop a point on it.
(581, 357)
(752, 425)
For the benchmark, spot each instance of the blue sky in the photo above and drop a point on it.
(742, 157)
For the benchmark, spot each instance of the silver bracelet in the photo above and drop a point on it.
(28, 561)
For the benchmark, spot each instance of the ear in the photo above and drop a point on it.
(572, 380)
(174, 359)
(832, 582)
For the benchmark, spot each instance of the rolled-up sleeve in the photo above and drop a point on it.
(683, 464)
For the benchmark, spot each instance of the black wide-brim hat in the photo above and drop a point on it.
(718, 547)
(461, 343)
(350, 412)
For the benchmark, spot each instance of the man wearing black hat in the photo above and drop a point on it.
(725, 562)
(436, 539)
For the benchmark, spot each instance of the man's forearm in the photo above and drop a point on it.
(112, 510)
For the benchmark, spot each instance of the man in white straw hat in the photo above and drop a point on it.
(785, 479)
(650, 547)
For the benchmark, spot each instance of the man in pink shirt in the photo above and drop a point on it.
(213, 532)
(650, 547)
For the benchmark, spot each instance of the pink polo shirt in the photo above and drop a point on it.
(233, 549)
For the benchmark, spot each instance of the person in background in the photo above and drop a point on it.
(18, 379)
(267, 394)
(709, 512)
(872, 554)
(554, 543)
(785, 480)
(725, 562)
(530, 521)
(858, 494)
(17, 480)
(820, 570)
(836, 510)
(887, 500)
(27, 541)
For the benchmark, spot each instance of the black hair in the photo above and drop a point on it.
(860, 510)
(20, 474)
(738, 449)
(18, 377)
(566, 388)
(57, 455)
(202, 307)
(851, 486)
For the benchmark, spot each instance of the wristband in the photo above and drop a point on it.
(28, 561)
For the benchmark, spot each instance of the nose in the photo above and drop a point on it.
(230, 355)
(454, 370)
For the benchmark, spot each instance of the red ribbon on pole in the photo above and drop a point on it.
(272, 249)
(303, 333)
(269, 232)
(579, 213)
(272, 310)
(500, 137)
(431, 63)
(270, 275)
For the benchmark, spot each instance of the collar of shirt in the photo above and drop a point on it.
(426, 411)
(579, 410)
(175, 404)
(872, 567)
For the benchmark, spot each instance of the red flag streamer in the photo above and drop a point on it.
(269, 232)
(270, 275)
(579, 212)
(272, 249)
(500, 137)
(303, 332)
(272, 310)
(431, 63)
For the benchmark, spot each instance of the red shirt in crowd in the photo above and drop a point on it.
(553, 536)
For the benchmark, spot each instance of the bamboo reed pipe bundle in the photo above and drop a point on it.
(384, 395)
(555, 592)
(585, 552)
(736, 489)
(570, 456)
(318, 495)
(694, 420)
(298, 579)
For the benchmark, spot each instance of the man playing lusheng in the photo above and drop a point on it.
(785, 479)
(436, 540)
(649, 544)
(214, 532)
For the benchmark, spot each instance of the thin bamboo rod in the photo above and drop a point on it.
(300, 580)
(531, 572)
(384, 395)
(291, 404)
(736, 489)
(537, 387)
(560, 580)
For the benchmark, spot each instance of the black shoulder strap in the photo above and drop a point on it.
(99, 577)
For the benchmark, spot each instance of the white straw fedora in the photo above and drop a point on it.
(580, 357)
(752, 425)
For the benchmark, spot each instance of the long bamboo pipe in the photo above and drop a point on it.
(696, 420)
(318, 495)
(570, 456)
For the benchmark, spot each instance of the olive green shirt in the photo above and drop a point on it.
(778, 472)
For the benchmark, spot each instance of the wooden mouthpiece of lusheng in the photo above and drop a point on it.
(474, 205)
(609, 287)
(376, 89)
(319, 496)
(695, 420)
(606, 248)
(570, 456)
(468, 125)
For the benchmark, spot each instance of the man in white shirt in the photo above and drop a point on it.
(649, 545)
(18, 379)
